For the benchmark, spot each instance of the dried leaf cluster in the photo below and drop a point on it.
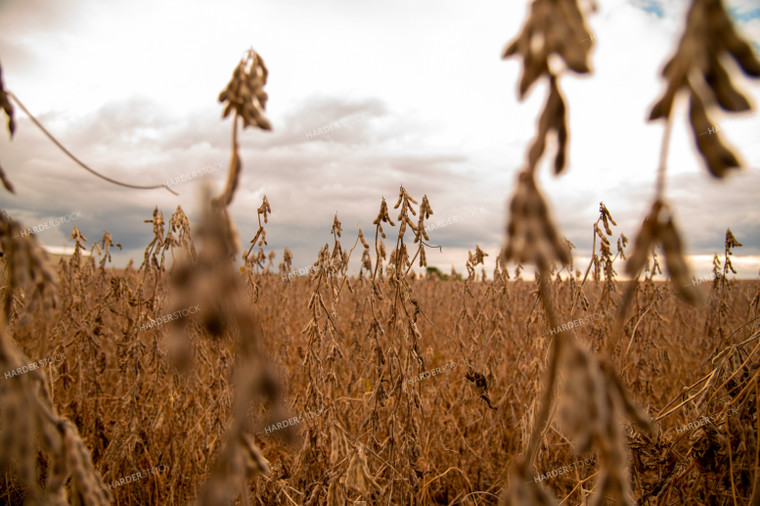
(699, 67)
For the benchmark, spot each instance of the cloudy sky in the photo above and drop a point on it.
(424, 98)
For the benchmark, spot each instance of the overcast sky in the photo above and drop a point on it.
(131, 88)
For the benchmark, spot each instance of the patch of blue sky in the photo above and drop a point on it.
(746, 16)
(742, 18)
(653, 7)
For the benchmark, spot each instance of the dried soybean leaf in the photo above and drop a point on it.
(663, 106)
(560, 125)
(6, 105)
(6, 182)
(553, 118)
(727, 96)
(718, 158)
(723, 31)
(554, 27)
(245, 92)
(531, 233)
(675, 262)
(708, 35)
(643, 243)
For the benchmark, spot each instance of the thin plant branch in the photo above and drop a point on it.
(77, 160)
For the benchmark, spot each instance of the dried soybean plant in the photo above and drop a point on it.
(696, 69)
(285, 267)
(24, 263)
(212, 283)
(36, 444)
(398, 356)
(380, 254)
(593, 397)
(104, 250)
(226, 316)
(381, 464)
(254, 263)
(719, 313)
(179, 224)
(366, 261)
(601, 262)
(5, 104)
(152, 264)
